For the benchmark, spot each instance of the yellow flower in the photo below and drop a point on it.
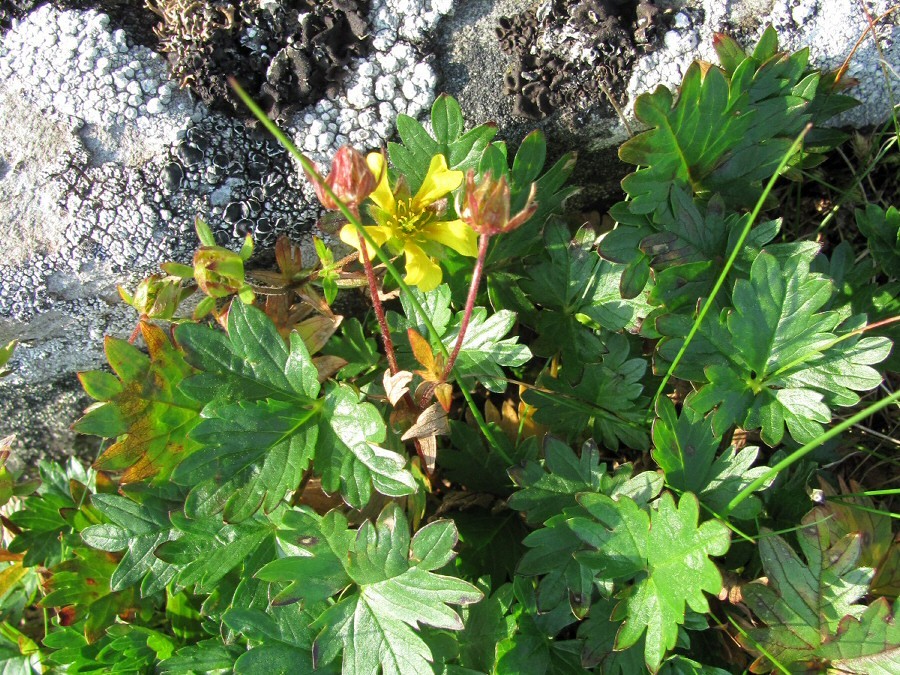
(412, 225)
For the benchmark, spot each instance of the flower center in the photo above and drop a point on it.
(408, 221)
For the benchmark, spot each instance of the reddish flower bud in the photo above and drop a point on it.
(350, 179)
(485, 206)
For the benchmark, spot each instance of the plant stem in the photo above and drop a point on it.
(483, 242)
(382, 256)
(376, 302)
(806, 449)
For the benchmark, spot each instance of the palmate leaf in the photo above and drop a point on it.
(484, 350)
(462, 150)
(206, 550)
(605, 399)
(667, 552)
(804, 606)
(685, 447)
(727, 132)
(575, 283)
(882, 229)
(394, 589)
(80, 588)
(258, 431)
(869, 645)
(138, 529)
(725, 135)
(144, 407)
(774, 360)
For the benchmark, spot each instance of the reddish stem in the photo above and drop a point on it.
(483, 242)
(379, 309)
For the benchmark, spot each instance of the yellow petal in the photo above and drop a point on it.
(349, 236)
(421, 271)
(382, 196)
(454, 234)
(439, 181)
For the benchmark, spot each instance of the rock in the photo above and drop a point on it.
(102, 175)
(481, 76)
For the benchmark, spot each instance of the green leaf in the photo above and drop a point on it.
(550, 488)
(574, 281)
(775, 360)
(725, 134)
(462, 150)
(375, 626)
(599, 635)
(685, 448)
(606, 399)
(204, 656)
(446, 119)
(206, 550)
(489, 544)
(258, 433)
(803, 606)
(352, 345)
(882, 229)
(486, 624)
(869, 644)
(80, 588)
(669, 554)
(139, 529)
(347, 455)
(282, 639)
(145, 408)
(484, 349)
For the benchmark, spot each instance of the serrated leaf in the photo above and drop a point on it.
(258, 432)
(803, 605)
(138, 529)
(774, 361)
(673, 552)
(868, 645)
(485, 350)
(606, 399)
(574, 281)
(685, 447)
(725, 134)
(375, 626)
(206, 550)
(348, 456)
(352, 345)
(145, 408)
(882, 229)
(205, 656)
(80, 588)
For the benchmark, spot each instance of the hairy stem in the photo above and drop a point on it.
(379, 308)
(483, 242)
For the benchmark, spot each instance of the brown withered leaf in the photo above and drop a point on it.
(396, 386)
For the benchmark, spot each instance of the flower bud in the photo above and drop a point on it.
(350, 179)
(156, 297)
(485, 206)
(218, 271)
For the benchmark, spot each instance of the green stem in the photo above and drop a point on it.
(381, 255)
(729, 263)
(806, 449)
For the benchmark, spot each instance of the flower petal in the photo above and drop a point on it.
(382, 195)
(455, 234)
(421, 270)
(438, 182)
(349, 236)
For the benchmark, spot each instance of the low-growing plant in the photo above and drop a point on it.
(535, 451)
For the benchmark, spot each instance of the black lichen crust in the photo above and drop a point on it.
(567, 53)
(286, 54)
